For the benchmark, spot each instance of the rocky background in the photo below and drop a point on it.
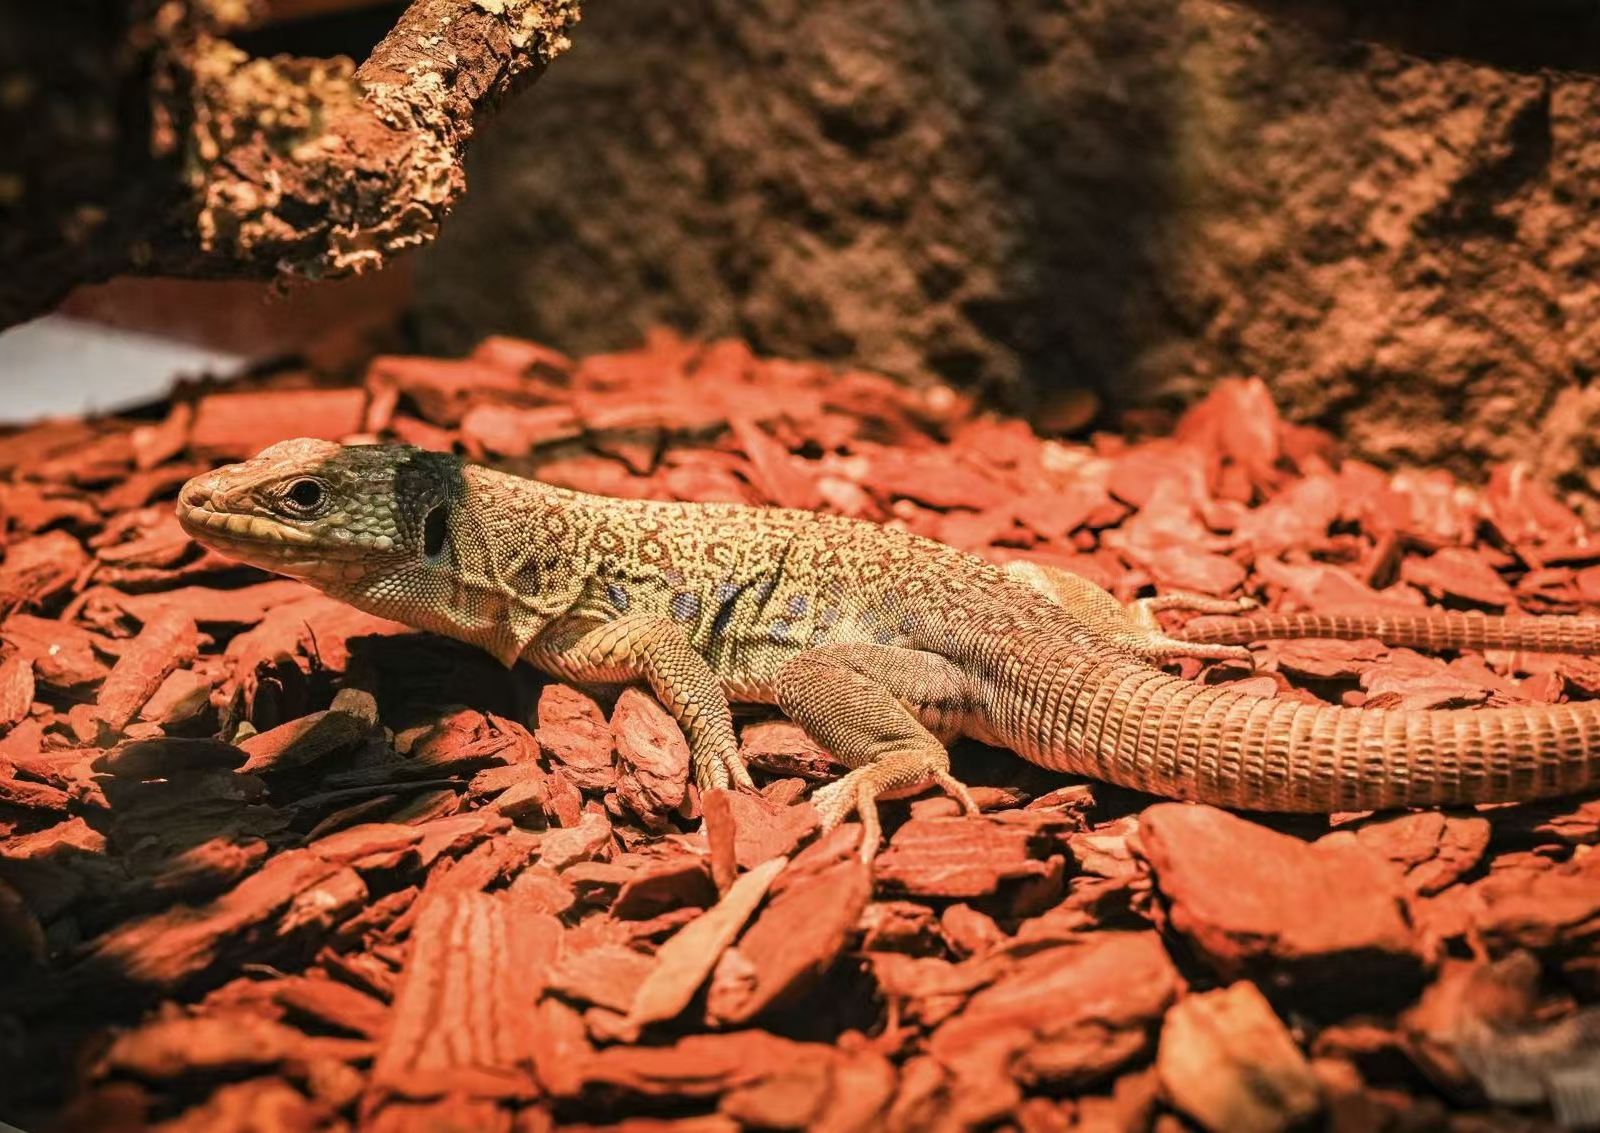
(1384, 210)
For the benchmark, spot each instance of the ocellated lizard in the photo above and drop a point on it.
(882, 645)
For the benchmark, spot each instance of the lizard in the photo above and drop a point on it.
(882, 645)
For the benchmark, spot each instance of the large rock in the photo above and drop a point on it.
(1385, 213)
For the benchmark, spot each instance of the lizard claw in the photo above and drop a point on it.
(736, 770)
(858, 792)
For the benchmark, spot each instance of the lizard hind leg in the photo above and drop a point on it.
(1134, 626)
(867, 705)
(1157, 646)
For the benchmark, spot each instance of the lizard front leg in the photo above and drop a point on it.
(653, 649)
(877, 708)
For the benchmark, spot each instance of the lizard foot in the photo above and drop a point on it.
(1144, 610)
(1157, 648)
(858, 793)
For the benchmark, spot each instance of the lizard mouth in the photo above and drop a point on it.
(236, 527)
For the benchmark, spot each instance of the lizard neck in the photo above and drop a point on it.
(512, 560)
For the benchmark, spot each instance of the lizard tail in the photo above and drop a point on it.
(1121, 720)
(1433, 630)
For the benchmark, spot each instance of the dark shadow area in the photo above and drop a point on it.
(1532, 35)
(351, 33)
(75, 167)
(1088, 171)
(204, 873)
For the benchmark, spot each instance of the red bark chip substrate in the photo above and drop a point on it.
(267, 863)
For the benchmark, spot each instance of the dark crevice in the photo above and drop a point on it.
(353, 33)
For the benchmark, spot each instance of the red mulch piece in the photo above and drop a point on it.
(313, 736)
(652, 757)
(683, 962)
(267, 862)
(795, 940)
(1458, 573)
(1435, 848)
(780, 747)
(40, 568)
(1247, 899)
(16, 690)
(64, 656)
(1070, 1015)
(165, 643)
(960, 857)
(574, 735)
(241, 424)
(441, 1041)
(1228, 1061)
(761, 829)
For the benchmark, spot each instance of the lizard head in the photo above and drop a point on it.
(336, 516)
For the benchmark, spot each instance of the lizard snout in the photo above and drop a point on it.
(195, 493)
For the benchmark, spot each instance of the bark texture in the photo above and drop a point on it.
(153, 143)
(1387, 210)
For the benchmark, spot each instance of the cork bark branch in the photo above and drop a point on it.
(233, 166)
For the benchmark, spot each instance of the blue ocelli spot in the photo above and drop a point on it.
(779, 632)
(727, 597)
(798, 605)
(685, 606)
(617, 596)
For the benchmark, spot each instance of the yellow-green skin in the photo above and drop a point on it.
(881, 644)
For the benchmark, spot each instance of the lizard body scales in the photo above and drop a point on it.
(882, 645)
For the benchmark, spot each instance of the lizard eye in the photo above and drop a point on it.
(303, 495)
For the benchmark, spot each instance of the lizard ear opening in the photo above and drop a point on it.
(434, 532)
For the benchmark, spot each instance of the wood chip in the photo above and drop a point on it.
(463, 1014)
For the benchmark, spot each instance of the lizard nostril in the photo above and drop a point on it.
(200, 493)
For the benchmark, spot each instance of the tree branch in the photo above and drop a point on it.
(289, 167)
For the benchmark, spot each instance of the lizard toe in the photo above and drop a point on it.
(835, 802)
(711, 774)
(733, 764)
(855, 793)
(721, 769)
(957, 790)
(1142, 611)
(1158, 648)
